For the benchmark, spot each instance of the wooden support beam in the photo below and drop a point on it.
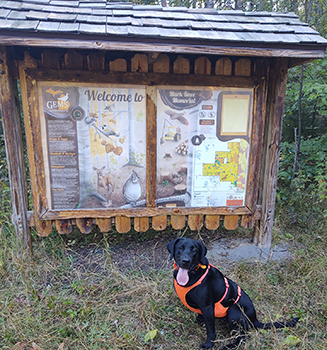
(273, 132)
(14, 150)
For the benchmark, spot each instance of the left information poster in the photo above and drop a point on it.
(94, 145)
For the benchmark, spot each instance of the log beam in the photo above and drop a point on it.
(273, 133)
(12, 130)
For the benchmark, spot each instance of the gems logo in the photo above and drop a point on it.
(60, 101)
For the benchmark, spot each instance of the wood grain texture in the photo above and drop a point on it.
(243, 67)
(181, 65)
(50, 59)
(139, 63)
(104, 224)
(144, 78)
(64, 226)
(151, 146)
(33, 142)
(271, 151)
(73, 60)
(43, 227)
(96, 61)
(178, 222)
(195, 222)
(247, 221)
(118, 65)
(159, 223)
(146, 212)
(141, 224)
(179, 48)
(231, 222)
(261, 69)
(12, 132)
(202, 65)
(123, 224)
(161, 64)
(84, 225)
(224, 66)
(212, 222)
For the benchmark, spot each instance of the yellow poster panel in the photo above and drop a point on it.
(234, 118)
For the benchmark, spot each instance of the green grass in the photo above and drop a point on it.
(58, 299)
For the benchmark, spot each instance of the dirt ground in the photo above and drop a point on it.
(143, 255)
(224, 251)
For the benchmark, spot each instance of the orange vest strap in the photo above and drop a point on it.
(220, 310)
(239, 292)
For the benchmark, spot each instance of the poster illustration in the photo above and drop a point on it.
(202, 146)
(94, 145)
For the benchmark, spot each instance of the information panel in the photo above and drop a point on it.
(94, 145)
(202, 146)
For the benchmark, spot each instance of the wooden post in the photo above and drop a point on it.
(273, 132)
(14, 149)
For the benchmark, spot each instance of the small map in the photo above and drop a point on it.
(220, 173)
(230, 165)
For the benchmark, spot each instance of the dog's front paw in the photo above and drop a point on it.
(207, 345)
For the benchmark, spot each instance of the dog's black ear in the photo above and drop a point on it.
(203, 252)
(171, 247)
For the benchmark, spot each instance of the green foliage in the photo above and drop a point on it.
(313, 101)
(305, 197)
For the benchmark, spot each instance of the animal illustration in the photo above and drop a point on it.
(63, 98)
(105, 182)
(205, 290)
(108, 131)
(179, 116)
(132, 189)
(90, 119)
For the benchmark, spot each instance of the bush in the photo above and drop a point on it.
(304, 198)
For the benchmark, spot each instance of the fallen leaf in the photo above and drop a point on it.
(150, 335)
(291, 340)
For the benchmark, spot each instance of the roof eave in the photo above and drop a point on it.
(305, 51)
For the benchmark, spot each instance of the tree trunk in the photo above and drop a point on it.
(298, 132)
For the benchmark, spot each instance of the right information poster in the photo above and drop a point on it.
(203, 148)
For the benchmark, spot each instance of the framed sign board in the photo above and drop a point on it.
(94, 145)
(203, 138)
(104, 145)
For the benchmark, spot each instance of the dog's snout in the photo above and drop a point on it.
(186, 260)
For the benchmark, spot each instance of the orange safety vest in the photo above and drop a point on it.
(220, 311)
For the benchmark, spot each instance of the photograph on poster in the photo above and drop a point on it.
(94, 145)
(202, 146)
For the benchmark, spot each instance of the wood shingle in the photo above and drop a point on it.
(171, 27)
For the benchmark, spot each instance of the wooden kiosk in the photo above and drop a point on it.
(145, 115)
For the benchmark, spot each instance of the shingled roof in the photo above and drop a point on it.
(98, 24)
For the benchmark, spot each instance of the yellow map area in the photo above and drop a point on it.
(230, 165)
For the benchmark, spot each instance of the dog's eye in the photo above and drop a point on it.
(194, 249)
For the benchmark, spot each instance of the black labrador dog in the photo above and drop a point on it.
(206, 291)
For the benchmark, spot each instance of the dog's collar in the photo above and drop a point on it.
(198, 267)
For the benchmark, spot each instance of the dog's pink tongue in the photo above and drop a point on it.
(182, 276)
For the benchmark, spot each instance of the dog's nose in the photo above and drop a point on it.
(186, 261)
